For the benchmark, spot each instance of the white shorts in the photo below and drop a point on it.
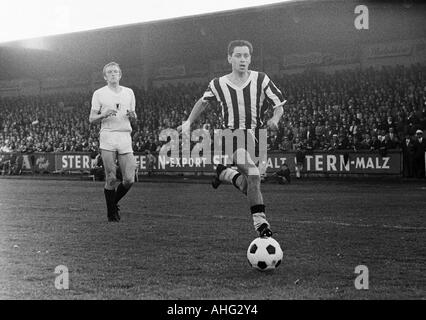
(117, 141)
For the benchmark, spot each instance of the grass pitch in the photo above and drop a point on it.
(188, 241)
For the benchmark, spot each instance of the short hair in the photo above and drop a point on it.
(239, 43)
(109, 65)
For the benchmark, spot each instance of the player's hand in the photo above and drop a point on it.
(131, 114)
(273, 124)
(108, 113)
(185, 127)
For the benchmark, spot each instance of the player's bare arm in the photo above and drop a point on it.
(96, 117)
(130, 113)
(132, 116)
(273, 122)
(197, 110)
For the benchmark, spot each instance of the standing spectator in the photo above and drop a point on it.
(366, 142)
(334, 144)
(353, 129)
(343, 142)
(389, 124)
(408, 156)
(419, 155)
(385, 145)
(150, 145)
(394, 138)
(375, 143)
(286, 144)
(355, 144)
(300, 160)
(272, 141)
(150, 162)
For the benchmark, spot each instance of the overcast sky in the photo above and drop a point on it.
(23, 19)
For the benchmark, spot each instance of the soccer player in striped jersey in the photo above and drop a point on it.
(114, 107)
(242, 93)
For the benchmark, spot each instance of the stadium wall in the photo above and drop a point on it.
(323, 163)
(9, 89)
(174, 82)
(404, 52)
(394, 53)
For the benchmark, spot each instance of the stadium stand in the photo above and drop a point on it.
(350, 109)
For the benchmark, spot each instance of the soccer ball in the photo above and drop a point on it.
(264, 254)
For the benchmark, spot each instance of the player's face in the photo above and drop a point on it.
(112, 75)
(240, 59)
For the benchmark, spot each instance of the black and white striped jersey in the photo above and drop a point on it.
(242, 107)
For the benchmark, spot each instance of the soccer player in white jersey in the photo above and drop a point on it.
(242, 94)
(114, 107)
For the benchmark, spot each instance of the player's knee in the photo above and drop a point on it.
(111, 177)
(253, 179)
(128, 182)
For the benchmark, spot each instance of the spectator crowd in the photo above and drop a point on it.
(371, 109)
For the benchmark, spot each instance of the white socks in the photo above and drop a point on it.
(227, 175)
(259, 218)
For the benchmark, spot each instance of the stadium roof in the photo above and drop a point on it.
(278, 29)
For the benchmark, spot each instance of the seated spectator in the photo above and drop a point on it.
(319, 106)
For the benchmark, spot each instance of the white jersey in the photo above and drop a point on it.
(122, 101)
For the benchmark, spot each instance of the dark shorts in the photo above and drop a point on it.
(249, 140)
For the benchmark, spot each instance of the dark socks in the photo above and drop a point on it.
(258, 208)
(110, 198)
(121, 192)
